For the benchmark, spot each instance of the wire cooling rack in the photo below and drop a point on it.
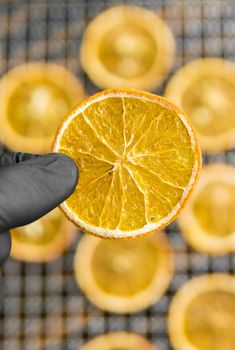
(44, 309)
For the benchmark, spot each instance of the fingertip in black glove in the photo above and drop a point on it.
(31, 186)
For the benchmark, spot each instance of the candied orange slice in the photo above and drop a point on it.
(124, 275)
(207, 222)
(127, 47)
(119, 341)
(205, 89)
(138, 158)
(43, 240)
(201, 315)
(34, 99)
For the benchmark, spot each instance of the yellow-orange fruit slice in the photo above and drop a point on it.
(33, 100)
(207, 222)
(119, 341)
(124, 276)
(44, 239)
(205, 89)
(138, 158)
(202, 312)
(127, 47)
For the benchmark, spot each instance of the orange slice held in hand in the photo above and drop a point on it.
(208, 222)
(138, 158)
(124, 276)
(43, 240)
(202, 314)
(205, 89)
(119, 341)
(33, 100)
(127, 47)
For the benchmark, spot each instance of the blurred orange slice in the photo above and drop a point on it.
(44, 239)
(208, 222)
(124, 276)
(138, 158)
(33, 100)
(202, 314)
(127, 47)
(205, 89)
(118, 341)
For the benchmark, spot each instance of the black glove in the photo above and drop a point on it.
(30, 187)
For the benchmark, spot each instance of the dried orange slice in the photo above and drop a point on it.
(44, 239)
(34, 98)
(124, 276)
(138, 158)
(118, 341)
(202, 314)
(205, 89)
(207, 222)
(127, 47)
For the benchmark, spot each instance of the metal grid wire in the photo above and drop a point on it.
(44, 309)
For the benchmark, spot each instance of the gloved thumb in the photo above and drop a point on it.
(31, 186)
(5, 245)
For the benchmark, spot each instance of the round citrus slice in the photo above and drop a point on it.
(119, 341)
(202, 314)
(124, 276)
(127, 47)
(205, 89)
(138, 158)
(34, 99)
(44, 239)
(207, 222)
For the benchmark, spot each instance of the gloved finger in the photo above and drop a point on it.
(1, 294)
(9, 158)
(5, 246)
(32, 188)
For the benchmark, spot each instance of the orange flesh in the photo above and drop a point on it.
(41, 231)
(127, 51)
(209, 321)
(135, 159)
(210, 103)
(215, 214)
(116, 261)
(37, 107)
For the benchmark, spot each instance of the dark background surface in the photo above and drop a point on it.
(44, 309)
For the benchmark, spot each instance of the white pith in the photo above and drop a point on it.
(149, 226)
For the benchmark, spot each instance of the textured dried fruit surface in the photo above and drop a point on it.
(216, 214)
(44, 239)
(205, 89)
(201, 315)
(128, 51)
(124, 275)
(210, 102)
(209, 321)
(208, 220)
(40, 231)
(118, 259)
(136, 159)
(34, 98)
(127, 46)
(35, 103)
